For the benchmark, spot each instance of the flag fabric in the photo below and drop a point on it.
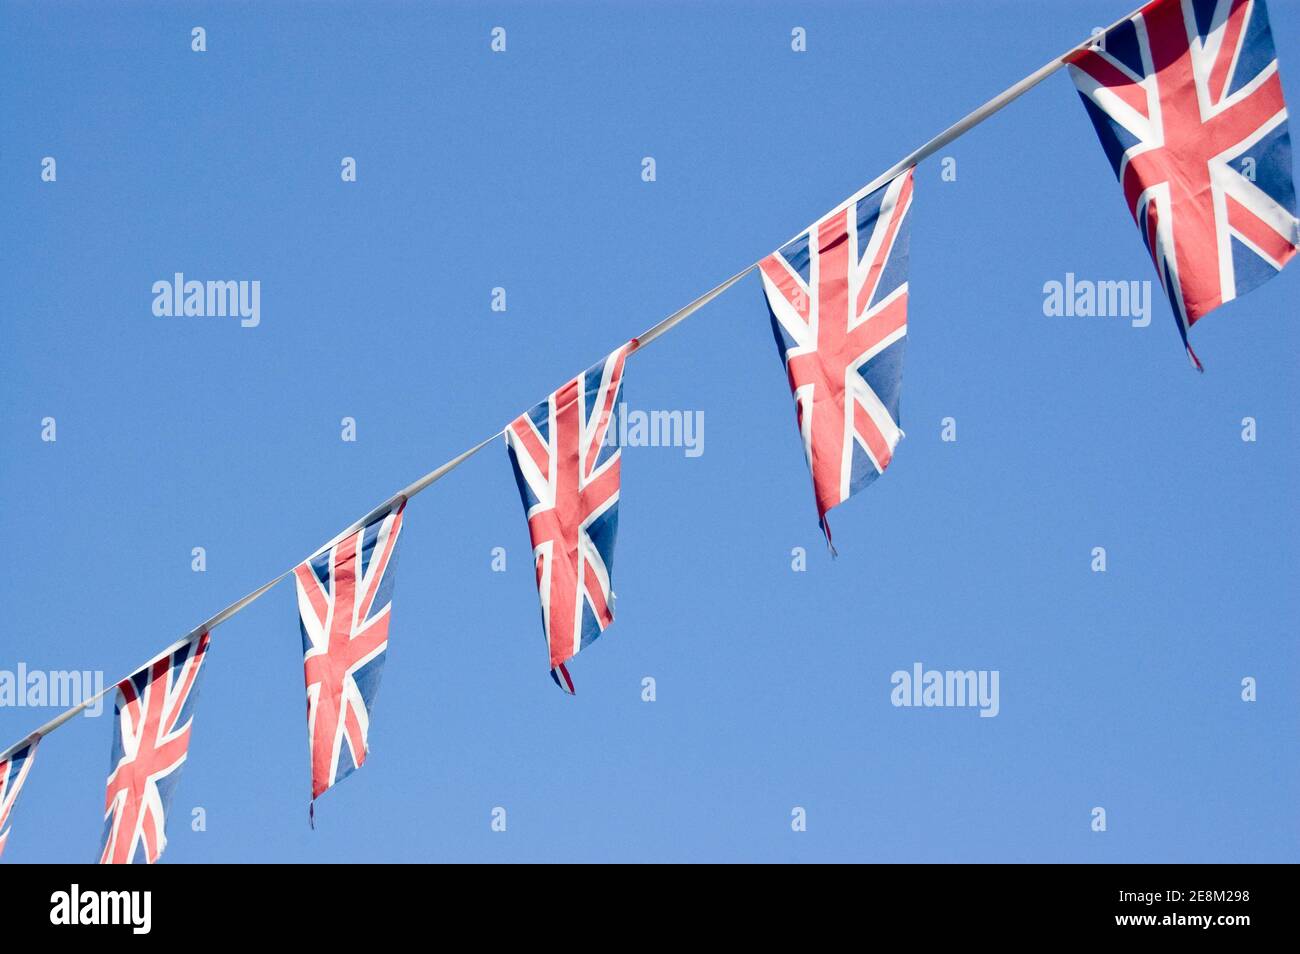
(345, 596)
(13, 772)
(837, 296)
(566, 453)
(1187, 101)
(152, 718)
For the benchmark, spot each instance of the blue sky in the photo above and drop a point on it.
(523, 170)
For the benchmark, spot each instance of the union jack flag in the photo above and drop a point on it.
(14, 767)
(153, 714)
(566, 453)
(837, 296)
(1187, 101)
(345, 596)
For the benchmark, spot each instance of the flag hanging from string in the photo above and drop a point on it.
(151, 740)
(345, 597)
(837, 296)
(1187, 102)
(566, 454)
(13, 772)
(1186, 99)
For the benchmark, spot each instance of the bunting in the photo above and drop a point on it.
(837, 296)
(566, 453)
(345, 597)
(13, 772)
(1187, 101)
(151, 741)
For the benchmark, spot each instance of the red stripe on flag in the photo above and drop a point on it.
(1259, 233)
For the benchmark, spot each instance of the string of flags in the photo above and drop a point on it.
(1186, 100)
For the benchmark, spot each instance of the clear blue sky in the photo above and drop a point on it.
(522, 170)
